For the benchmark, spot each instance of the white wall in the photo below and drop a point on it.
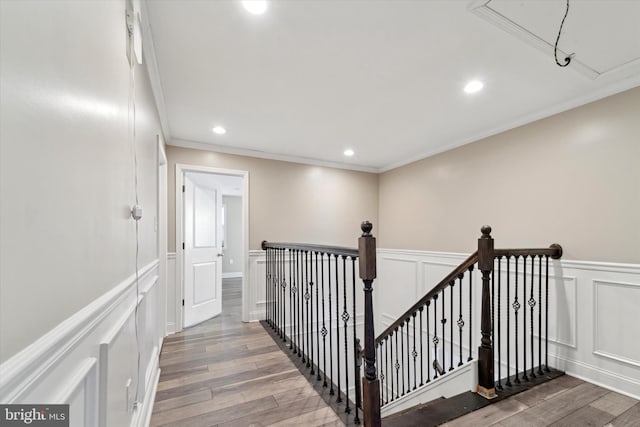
(233, 258)
(67, 251)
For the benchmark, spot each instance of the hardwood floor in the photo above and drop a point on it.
(563, 402)
(227, 373)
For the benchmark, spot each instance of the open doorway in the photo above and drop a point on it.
(212, 235)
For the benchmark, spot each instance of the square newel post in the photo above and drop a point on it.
(486, 381)
(370, 382)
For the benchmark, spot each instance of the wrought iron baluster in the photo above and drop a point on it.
(339, 399)
(499, 385)
(267, 277)
(386, 367)
(435, 335)
(546, 315)
(283, 298)
(355, 340)
(402, 357)
(397, 365)
(408, 363)
(318, 377)
(451, 285)
(291, 284)
(312, 371)
(470, 311)
(493, 306)
(460, 320)
(540, 316)
(331, 377)
(414, 354)
(428, 345)
(524, 319)
(508, 383)
(357, 349)
(345, 319)
(305, 313)
(532, 304)
(324, 327)
(516, 307)
(443, 321)
(421, 349)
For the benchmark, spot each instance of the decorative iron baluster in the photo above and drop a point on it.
(305, 313)
(324, 327)
(532, 304)
(524, 319)
(435, 335)
(540, 316)
(516, 307)
(470, 310)
(451, 324)
(355, 340)
(345, 319)
(460, 322)
(397, 365)
(402, 356)
(428, 345)
(312, 372)
(283, 298)
(499, 385)
(508, 383)
(318, 377)
(443, 321)
(408, 363)
(414, 354)
(546, 315)
(331, 391)
(421, 349)
(291, 284)
(493, 307)
(386, 366)
(294, 302)
(339, 399)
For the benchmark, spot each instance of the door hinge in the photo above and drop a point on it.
(183, 188)
(183, 302)
(182, 245)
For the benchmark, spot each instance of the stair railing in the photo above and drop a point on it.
(313, 307)
(436, 335)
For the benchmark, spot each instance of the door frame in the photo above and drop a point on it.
(161, 227)
(181, 169)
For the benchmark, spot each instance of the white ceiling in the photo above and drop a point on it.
(310, 78)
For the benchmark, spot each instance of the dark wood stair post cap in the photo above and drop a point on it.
(486, 231)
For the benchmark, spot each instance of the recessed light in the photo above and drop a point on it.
(349, 152)
(473, 86)
(256, 7)
(219, 130)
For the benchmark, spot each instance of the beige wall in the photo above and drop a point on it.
(66, 164)
(291, 201)
(573, 178)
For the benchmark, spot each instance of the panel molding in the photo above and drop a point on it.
(596, 342)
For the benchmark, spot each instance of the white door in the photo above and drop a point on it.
(202, 250)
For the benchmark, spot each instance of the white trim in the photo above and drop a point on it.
(236, 275)
(197, 145)
(19, 373)
(612, 89)
(152, 69)
(180, 171)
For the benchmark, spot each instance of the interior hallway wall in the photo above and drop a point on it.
(572, 178)
(66, 165)
(232, 261)
(291, 201)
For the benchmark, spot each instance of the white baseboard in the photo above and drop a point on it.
(88, 359)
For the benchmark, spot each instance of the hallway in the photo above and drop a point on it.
(227, 373)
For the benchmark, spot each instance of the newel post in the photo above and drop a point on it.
(486, 381)
(370, 382)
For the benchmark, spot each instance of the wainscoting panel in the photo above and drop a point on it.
(90, 360)
(592, 314)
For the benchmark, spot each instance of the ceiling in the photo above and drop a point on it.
(308, 79)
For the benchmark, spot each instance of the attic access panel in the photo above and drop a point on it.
(604, 35)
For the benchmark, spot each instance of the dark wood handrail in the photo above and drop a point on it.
(334, 250)
(554, 251)
(473, 258)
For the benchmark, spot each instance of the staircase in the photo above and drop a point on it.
(432, 350)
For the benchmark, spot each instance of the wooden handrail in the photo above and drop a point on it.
(473, 258)
(334, 250)
(554, 251)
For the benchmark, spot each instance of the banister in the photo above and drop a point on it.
(334, 250)
(466, 264)
(554, 251)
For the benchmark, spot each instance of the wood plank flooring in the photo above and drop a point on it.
(227, 373)
(563, 402)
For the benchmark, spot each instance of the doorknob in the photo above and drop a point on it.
(220, 254)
